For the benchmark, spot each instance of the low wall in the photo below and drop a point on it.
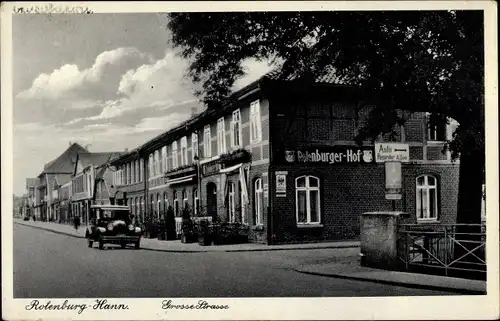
(378, 239)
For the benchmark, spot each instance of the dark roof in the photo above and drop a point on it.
(97, 159)
(31, 182)
(65, 162)
(329, 76)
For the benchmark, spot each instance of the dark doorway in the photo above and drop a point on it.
(212, 199)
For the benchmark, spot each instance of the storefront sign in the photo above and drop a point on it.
(330, 155)
(211, 168)
(390, 152)
(393, 180)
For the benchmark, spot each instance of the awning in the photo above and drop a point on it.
(180, 180)
(230, 169)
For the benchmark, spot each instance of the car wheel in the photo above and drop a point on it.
(123, 244)
(137, 244)
(90, 242)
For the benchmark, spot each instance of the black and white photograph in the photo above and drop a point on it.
(187, 160)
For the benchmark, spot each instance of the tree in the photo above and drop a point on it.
(419, 61)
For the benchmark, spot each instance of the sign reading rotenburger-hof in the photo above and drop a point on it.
(330, 155)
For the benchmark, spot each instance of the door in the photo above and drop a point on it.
(212, 199)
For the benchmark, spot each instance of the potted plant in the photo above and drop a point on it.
(170, 224)
(162, 228)
(188, 233)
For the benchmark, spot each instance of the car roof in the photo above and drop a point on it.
(111, 207)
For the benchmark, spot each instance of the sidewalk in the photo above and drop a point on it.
(178, 246)
(350, 268)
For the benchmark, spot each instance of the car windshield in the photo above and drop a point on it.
(107, 215)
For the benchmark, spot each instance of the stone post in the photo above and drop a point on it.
(378, 236)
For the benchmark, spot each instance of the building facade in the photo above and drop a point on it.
(63, 164)
(321, 180)
(83, 182)
(128, 183)
(307, 179)
(29, 202)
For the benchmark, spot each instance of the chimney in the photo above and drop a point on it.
(70, 143)
(126, 150)
(194, 111)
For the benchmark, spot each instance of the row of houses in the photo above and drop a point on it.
(278, 155)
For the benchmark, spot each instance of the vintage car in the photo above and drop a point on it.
(112, 224)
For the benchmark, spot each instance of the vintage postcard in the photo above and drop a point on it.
(250, 160)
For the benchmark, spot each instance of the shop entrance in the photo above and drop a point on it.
(211, 199)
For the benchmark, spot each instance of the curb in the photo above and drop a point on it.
(397, 283)
(50, 230)
(202, 251)
(296, 248)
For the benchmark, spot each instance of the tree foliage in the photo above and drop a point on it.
(419, 61)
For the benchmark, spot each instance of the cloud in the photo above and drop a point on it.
(69, 80)
(123, 100)
(160, 123)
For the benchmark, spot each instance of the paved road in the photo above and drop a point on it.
(48, 265)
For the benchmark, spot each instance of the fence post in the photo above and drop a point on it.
(446, 251)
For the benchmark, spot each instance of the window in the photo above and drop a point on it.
(184, 151)
(141, 170)
(258, 202)
(307, 202)
(427, 198)
(152, 205)
(185, 201)
(150, 165)
(142, 208)
(164, 158)
(157, 162)
(207, 142)
(436, 131)
(231, 204)
(196, 201)
(255, 122)
(165, 202)
(176, 204)
(135, 172)
(194, 145)
(236, 129)
(242, 213)
(174, 154)
(158, 204)
(221, 136)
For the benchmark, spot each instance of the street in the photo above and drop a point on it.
(48, 265)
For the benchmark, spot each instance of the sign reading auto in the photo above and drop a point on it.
(392, 152)
(333, 155)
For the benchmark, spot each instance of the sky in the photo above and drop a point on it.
(106, 81)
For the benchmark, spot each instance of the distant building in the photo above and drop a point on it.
(85, 170)
(63, 164)
(30, 200)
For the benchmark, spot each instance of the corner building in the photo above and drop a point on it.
(279, 156)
